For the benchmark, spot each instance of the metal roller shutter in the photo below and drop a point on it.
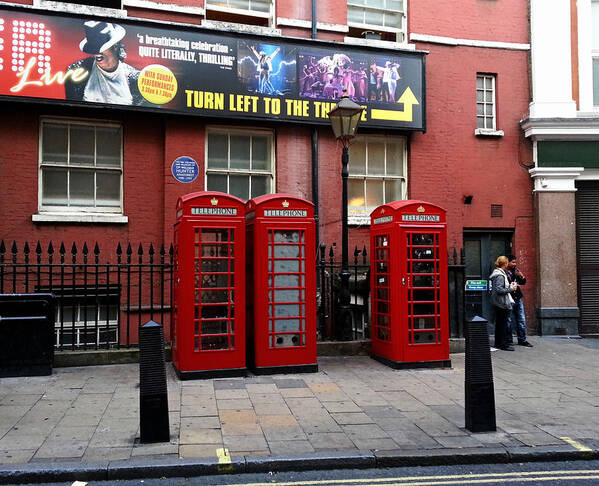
(587, 229)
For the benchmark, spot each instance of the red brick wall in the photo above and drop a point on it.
(490, 20)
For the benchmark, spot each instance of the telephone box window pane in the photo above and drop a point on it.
(382, 320)
(382, 307)
(216, 235)
(215, 250)
(210, 266)
(55, 143)
(215, 311)
(82, 145)
(423, 239)
(215, 342)
(196, 344)
(424, 323)
(287, 236)
(214, 327)
(287, 310)
(383, 334)
(108, 146)
(286, 295)
(382, 267)
(216, 182)
(240, 152)
(424, 337)
(287, 266)
(82, 187)
(217, 153)
(423, 253)
(215, 296)
(423, 267)
(108, 189)
(424, 281)
(54, 187)
(239, 186)
(287, 280)
(424, 309)
(215, 280)
(382, 294)
(424, 295)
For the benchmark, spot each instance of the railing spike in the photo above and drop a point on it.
(26, 248)
(129, 250)
(96, 249)
(162, 250)
(171, 250)
(13, 249)
(62, 249)
(50, 248)
(38, 248)
(74, 249)
(140, 250)
(85, 249)
(119, 250)
(2, 247)
(151, 251)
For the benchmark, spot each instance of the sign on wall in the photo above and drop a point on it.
(200, 72)
(185, 169)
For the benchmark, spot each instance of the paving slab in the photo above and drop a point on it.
(90, 414)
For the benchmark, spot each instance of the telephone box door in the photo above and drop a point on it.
(281, 228)
(424, 293)
(210, 286)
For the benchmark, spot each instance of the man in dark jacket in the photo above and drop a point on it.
(516, 316)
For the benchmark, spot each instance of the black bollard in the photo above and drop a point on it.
(153, 395)
(480, 393)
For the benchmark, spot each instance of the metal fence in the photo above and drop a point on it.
(102, 297)
(328, 288)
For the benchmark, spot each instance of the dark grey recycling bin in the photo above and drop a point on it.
(26, 334)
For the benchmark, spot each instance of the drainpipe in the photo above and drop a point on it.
(315, 199)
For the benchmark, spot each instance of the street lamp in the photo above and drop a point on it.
(344, 120)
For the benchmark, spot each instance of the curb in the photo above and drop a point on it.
(168, 466)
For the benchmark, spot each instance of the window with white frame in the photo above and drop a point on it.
(383, 17)
(253, 12)
(81, 166)
(595, 50)
(377, 175)
(239, 162)
(485, 101)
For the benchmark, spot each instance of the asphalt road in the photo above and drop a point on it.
(529, 474)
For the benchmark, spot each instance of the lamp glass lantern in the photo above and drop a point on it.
(345, 118)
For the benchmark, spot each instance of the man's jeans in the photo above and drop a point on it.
(517, 315)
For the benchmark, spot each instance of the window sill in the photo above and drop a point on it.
(79, 218)
(485, 132)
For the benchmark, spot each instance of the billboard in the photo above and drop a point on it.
(153, 66)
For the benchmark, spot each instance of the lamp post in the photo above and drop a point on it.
(344, 120)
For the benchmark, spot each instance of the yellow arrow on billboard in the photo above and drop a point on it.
(408, 99)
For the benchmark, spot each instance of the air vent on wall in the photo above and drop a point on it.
(497, 210)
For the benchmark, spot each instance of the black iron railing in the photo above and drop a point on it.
(102, 298)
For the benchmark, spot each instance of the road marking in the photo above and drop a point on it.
(576, 444)
(224, 459)
(524, 476)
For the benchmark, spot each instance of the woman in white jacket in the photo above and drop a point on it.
(502, 302)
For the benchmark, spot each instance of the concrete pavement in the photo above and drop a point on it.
(354, 410)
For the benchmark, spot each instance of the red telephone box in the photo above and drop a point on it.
(282, 294)
(209, 287)
(410, 326)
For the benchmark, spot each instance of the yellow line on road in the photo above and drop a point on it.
(224, 459)
(576, 444)
(526, 476)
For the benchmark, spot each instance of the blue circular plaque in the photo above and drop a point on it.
(185, 169)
